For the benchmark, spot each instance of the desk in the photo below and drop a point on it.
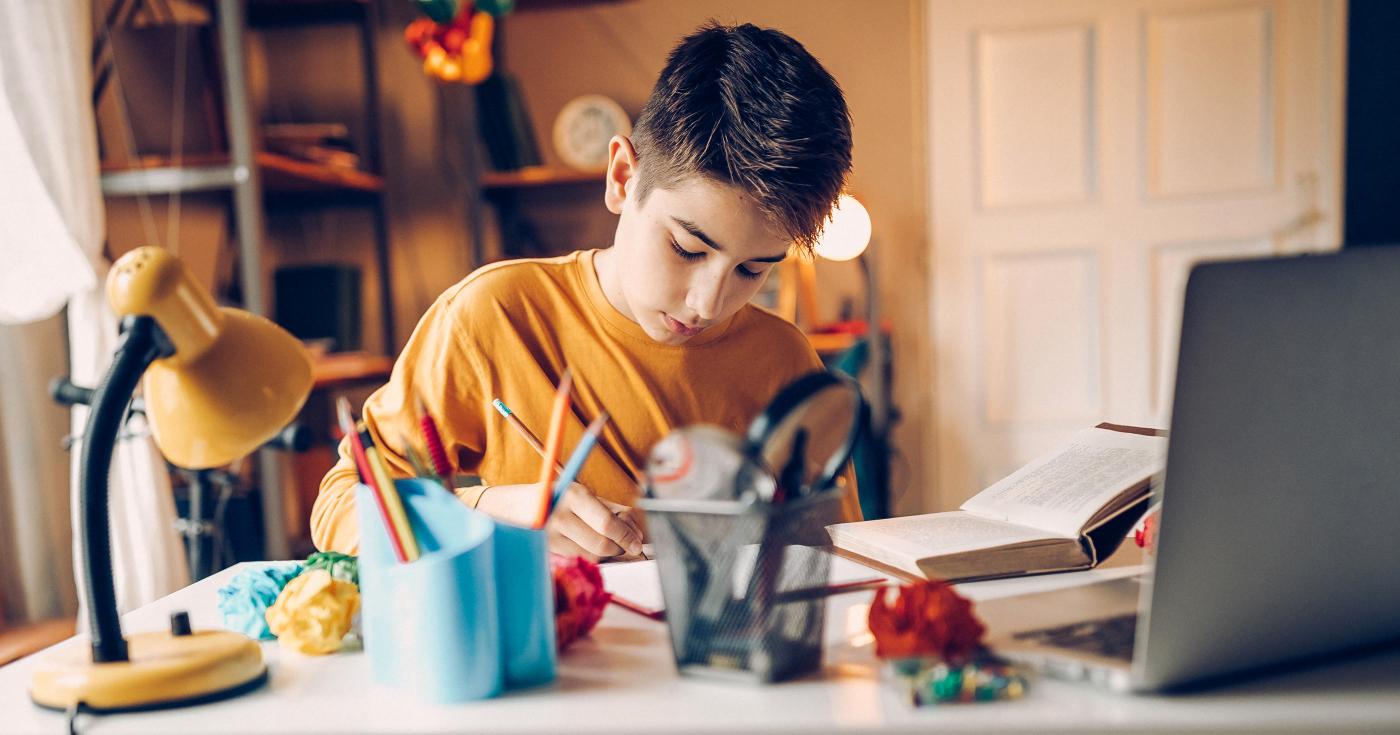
(622, 680)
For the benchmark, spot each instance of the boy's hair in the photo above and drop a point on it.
(750, 107)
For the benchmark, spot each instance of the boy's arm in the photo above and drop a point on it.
(334, 525)
(437, 366)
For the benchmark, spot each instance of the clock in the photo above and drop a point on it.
(583, 129)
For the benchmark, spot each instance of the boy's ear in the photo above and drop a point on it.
(622, 171)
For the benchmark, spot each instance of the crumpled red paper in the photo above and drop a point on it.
(579, 598)
(1146, 533)
(926, 619)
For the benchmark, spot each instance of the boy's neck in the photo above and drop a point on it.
(606, 271)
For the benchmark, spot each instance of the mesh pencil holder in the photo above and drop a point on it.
(743, 583)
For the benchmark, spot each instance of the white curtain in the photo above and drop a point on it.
(51, 235)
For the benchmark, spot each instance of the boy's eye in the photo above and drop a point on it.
(689, 255)
(685, 254)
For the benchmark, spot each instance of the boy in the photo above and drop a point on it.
(737, 157)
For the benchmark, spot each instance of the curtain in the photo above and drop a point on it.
(51, 234)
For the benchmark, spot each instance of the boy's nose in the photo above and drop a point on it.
(705, 297)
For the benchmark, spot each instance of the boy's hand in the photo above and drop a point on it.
(582, 525)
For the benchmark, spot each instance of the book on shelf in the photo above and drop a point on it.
(328, 144)
(1068, 509)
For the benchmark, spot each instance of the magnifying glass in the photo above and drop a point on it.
(809, 430)
(796, 446)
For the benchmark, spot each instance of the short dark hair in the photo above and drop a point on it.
(750, 107)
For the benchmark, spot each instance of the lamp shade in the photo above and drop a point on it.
(234, 379)
(847, 230)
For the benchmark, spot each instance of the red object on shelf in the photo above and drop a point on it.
(856, 327)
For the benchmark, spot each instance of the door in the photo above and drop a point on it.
(1085, 153)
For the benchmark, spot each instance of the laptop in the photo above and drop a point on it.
(1280, 497)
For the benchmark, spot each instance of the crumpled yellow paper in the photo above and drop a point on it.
(314, 612)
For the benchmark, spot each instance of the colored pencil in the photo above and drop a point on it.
(840, 588)
(646, 612)
(434, 440)
(422, 466)
(553, 443)
(347, 425)
(391, 497)
(576, 460)
(534, 442)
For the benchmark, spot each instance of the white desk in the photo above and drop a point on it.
(622, 680)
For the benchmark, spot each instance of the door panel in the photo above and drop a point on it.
(1085, 154)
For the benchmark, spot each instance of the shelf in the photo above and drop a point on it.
(527, 5)
(280, 174)
(271, 13)
(537, 177)
(345, 368)
(832, 343)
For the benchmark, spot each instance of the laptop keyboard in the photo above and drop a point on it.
(1107, 637)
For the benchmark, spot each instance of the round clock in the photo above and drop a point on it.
(583, 129)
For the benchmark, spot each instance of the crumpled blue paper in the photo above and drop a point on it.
(244, 601)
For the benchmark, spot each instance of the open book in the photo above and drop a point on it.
(1066, 510)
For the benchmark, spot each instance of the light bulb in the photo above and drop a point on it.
(847, 230)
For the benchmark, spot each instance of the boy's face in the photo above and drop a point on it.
(688, 257)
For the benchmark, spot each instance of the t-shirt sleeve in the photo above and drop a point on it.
(439, 367)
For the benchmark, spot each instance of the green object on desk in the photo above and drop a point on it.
(340, 566)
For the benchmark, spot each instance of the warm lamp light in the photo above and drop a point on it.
(219, 383)
(847, 230)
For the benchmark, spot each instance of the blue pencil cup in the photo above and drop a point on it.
(472, 616)
(431, 627)
(525, 588)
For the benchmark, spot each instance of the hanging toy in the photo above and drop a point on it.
(457, 49)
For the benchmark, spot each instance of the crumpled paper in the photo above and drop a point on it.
(314, 612)
(579, 598)
(926, 619)
(244, 601)
(343, 567)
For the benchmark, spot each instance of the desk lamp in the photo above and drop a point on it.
(219, 382)
(846, 236)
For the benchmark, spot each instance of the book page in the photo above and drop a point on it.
(900, 541)
(1061, 491)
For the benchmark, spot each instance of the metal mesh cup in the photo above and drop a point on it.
(743, 583)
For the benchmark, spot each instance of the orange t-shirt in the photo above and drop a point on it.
(507, 331)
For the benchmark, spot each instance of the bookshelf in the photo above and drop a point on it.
(260, 180)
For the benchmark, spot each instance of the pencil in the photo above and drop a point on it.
(422, 466)
(534, 442)
(519, 426)
(646, 612)
(391, 497)
(347, 425)
(435, 451)
(549, 468)
(576, 460)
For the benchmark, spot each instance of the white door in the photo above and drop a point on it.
(1085, 153)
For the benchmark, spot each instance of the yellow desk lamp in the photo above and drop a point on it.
(219, 383)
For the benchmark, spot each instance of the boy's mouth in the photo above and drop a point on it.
(680, 328)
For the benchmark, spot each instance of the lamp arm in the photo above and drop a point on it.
(142, 343)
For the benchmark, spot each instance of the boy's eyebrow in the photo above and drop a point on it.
(700, 235)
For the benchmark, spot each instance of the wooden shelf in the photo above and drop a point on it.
(528, 5)
(286, 174)
(344, 368)
(280, 174)
(831, 343)
(537, 177)
(271, 13)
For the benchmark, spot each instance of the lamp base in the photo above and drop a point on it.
(164, 670)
